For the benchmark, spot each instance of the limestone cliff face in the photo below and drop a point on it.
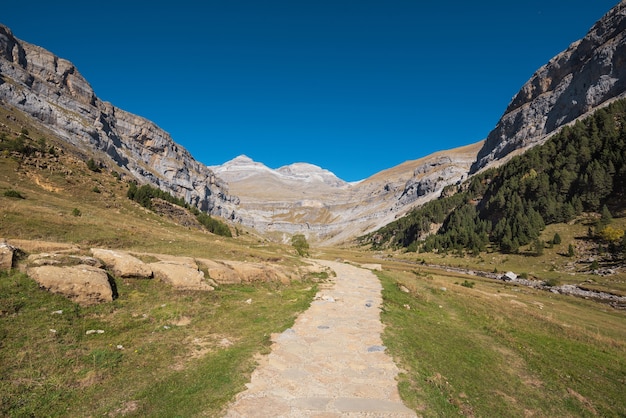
(51, 90)
(589, 74)
(306, 199)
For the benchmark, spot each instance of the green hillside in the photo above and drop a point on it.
(581, 170)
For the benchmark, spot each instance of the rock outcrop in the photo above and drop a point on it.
(54, 93)
(85, 285)
(305, 199)
(589, 74)
(122, 264)
(7, 256)
(180, 275)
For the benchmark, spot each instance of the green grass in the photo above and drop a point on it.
(496, 350)
(163, 352)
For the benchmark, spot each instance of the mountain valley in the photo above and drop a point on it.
(470, 245)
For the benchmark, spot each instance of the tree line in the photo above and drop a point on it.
(580, 169)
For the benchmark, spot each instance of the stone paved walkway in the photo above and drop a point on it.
(331, 363)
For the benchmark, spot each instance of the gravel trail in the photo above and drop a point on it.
(331, 363)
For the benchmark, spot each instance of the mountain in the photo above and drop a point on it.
(304, 198)
(52, 91)
(589, 74)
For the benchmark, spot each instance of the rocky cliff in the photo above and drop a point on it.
(52, 91)
(589, 74)
(303, 198)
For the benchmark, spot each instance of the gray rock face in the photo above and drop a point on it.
(589, 74)
(51, 90)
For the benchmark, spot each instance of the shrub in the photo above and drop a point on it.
(13, 193)
(299, 242)
(76, 212)
(552, 282)
(467, 284)
(93, 166)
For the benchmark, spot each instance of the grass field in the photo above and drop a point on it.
(468, 346)
(482, 348)
(163, 352)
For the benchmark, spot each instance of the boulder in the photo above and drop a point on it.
(180, 276)
(256, 272)
(122, 264)
(57, 259)
(7, 256)
(85, 285)
(220, 273)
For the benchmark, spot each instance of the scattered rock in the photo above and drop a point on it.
(85, 285)
(7, 256)
(180, 276)
(122, 264)
(376, 348)
(94, 331)
(404, 289)
(62, 259)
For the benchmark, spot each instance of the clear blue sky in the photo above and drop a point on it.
(354, 86)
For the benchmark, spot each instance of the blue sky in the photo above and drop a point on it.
(352, 86)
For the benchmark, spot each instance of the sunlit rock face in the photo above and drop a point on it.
(589, 74)
(52, 91)
(306, 199)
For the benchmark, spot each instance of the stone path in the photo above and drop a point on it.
(331, 363)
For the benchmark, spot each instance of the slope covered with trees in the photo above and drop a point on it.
(581, 169)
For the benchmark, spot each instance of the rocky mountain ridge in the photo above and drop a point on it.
(244, 167)
(52, 91)
(303, 198)
(589, 74)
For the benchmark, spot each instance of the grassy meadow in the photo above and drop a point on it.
(467, 346)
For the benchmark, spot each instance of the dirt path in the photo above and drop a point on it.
(331, 363)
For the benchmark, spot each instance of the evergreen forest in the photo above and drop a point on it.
(582, 169)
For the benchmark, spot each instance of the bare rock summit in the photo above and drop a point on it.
(589, 74)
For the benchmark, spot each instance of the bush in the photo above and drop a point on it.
(299, 242)
(467, 284)
(93, 166)
(76, 212)
(552, 282)
(13, 193)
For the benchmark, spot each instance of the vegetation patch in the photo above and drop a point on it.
(496, 350)
(60, 359)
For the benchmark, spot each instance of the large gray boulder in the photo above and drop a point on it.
(85, 285)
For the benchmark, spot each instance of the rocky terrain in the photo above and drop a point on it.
(303, 198)
(589, 74)
(52, 91)
(87, 278)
